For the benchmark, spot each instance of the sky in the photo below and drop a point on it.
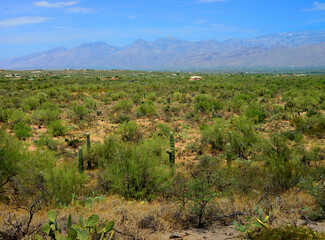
(32, 26)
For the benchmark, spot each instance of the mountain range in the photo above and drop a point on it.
(293, 49)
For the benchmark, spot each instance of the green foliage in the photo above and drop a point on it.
(22, 130)
(10, 156)
(214, 135)
(62, 181)
(228, 155)
(255, 224)
(90, 103)
(17, 116)
(163, 129)
(171, 150)
(89, 229)
(254, 113)
(48, 112)
(147, 108)
(284, 168)
(48, 141)
(287, 233)
(135, 171)
(124, 105)
(292, 135)
(243, 139)
(204, 103)
(81, 161)
(56, 128)
(129, 131)
(118, 95)
(199, 191)
(31, 103)
(80, 111)
(44, 116)
(314, 125)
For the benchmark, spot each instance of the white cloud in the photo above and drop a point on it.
(22, 21)
(200, 21)
(55, 4)
(80, 10)
(317, 7)
(209, 1)
(133, 16)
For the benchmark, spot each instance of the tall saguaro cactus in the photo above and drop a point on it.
(228, 155)
(88, 141)
(88, 148)
(213, 112)
(81, 160)
(171, 150)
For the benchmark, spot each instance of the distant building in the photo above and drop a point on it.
(195, 78)
(1, 70)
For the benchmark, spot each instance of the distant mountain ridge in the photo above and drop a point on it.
(294, 49)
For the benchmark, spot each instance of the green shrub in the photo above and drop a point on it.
(284, 167)
(106, 99)
(147, 108)
(44, 116)
(243, 139)
(121, 118)
(287, 233)
(90, 103)
(314, 125)
(56, 128)
(214, 135)
(256, 114)
(46, 140)
(124, 105)
(31, 103)
(163, 129)
(137, 172)
(118, 95)
(198, 192)
(10, 156)
(17, 116)
(22, 130)
(189, 115)
(4, 114)
(64, 181)
(292, 135)
(129, 131)
(80, 111)
(204, 103)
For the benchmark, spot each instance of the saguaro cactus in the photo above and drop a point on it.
(81, 160)
(219, 140)
(171, 150)
(88, 148)
(88, 141)
(228, 155)
(213, 113)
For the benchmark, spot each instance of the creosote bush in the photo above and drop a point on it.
(129, 131)
(22, 130)
(56, 128)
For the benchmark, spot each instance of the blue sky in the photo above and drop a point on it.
(29, 26)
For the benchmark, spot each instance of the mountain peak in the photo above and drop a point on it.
(282, 49)
(94, 44)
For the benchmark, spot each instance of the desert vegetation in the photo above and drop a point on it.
(88, 154)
